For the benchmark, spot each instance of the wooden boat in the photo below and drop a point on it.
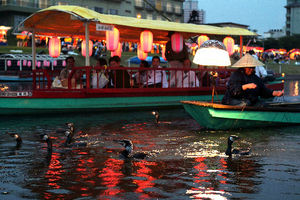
(78, 22)
(217, 116)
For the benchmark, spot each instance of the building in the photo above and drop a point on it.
(14, 12)
(292, 17)
(191, 12)
(274, 33)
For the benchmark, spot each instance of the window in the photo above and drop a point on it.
(128, 11)
(158, 5)
(139, 3)
(149, 16)
(177, 9)
(99, 10)
(169, 7)
(113, 11)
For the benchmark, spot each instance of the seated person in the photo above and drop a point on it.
(64, 74)
(244, 87)
(156, 78)
(141, 76)
(118, 78)
(99, 79)
(185, 78)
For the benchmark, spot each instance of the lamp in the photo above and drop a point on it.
(212, 53)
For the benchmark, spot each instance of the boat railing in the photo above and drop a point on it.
(108, 78)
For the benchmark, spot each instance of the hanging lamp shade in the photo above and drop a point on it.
(117, 52)
(54, 47)
(83, 50)
(201, 39)
(229, 44)
(146, 41)
(177, 42)
(8, 63)
(112, 39)
(141, 54)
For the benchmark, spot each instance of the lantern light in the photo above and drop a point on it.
(163, 52)
(64, 63)
(146, 41)
(24, 62)
(8, 63)
(112, 39)
(18, 63)
(201, 39)
(54, 63)
(117, 52)
(177, 42)
(229, 44)
(141, 54)
(83, 50)
(54, 47)
(29, 63)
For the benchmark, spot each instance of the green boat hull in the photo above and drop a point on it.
(226, 119)
(19, 106)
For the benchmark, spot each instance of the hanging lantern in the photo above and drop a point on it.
(8, 63)
(54, 47)
(201, 39)
(83, 50)
(18, 63)
(112, 39)
(177, 42)
(64, 63)
(29, 63)
(146, 41)
(229, 44)
(54, 63)
(141, 54)
(163, 52)
(38, 64)
(24, 62)
(45, 63)
(117, 52)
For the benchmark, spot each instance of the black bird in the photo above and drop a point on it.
(156, 115)
(18, 139)
(127, 153)
(69, 141)
(230, 151)
(48, 140)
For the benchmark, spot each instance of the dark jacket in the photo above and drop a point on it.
(119, 79)
(235, 92)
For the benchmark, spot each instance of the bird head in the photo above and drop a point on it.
(232, 138)
(44, 137)
(14, 135)
(127, 144)
(70, 125)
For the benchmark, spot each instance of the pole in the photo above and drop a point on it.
(241, 46)
(33, 50)
(87, 39)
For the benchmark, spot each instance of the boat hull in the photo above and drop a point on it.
(221, 117)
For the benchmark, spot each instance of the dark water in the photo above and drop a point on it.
(184, 162)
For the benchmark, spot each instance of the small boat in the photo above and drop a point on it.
(217, 116)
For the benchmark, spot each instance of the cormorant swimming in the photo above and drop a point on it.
(68, 143)
(18, 139)
(48, 140)
(156, 114)
(230, 151)
(127, 153)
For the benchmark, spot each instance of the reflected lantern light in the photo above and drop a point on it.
(177, 42)
(112, 39)
(146, 41)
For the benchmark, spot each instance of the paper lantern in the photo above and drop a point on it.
(201, 39)
(18, 63)
(83, 50)
(29, 63)
(117, 52)
(54, 63)
(141, 54)
(8, 63)
(24, 62)
(112, 39)
(229, 44)
(54, 47)
(64, 63)
(177, 42)
(38, 64)
(146, 41)
(45, 63)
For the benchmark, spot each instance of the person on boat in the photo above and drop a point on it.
(156, 78)
(244, 88)
(99, 79)
(118, 78)
(186, 78)
(64, 74)
(260, 71)
(141, 76)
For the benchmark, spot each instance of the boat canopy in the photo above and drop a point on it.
(71, 21)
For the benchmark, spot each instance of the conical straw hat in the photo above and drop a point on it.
(247, 61)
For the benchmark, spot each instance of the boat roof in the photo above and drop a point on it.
(69, 21)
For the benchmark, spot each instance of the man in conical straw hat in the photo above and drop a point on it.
(244, 87)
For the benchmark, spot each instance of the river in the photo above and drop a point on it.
(184, 161)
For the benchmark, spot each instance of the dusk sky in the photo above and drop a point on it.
(261, 15)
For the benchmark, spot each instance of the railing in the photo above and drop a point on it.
(95, 78)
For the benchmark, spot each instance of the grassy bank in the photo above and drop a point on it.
(80, 60)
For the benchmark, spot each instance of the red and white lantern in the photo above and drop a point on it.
(64, 63)
(229, 44)
(112, 39)
(146, 41)
(83, 49)
(24, 63)
(54, 63)
(8, 63)
(177, 42)
(141, 54)
(201, 39)
(54, 47)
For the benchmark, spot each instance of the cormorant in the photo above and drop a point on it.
(18, 139)
(127, 153)
(68, 143)
(230, 151)
(48, 140)
(156, 114)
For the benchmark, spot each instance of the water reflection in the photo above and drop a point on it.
(183, 164)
